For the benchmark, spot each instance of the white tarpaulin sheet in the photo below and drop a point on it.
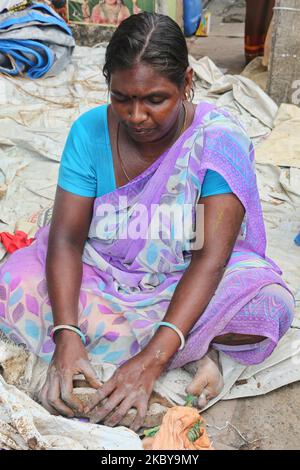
(24, 424)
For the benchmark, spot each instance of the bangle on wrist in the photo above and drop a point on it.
(73, 328)
(174, 328)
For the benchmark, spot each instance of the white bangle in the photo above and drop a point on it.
(174, 328)
(75, 329)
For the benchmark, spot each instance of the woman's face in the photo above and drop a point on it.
(146, 102)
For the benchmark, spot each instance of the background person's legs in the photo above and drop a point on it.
(258, 18)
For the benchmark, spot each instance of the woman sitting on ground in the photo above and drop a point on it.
(131, 273)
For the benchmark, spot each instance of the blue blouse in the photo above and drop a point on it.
(86, 167)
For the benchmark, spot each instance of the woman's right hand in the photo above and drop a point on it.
(69, 359)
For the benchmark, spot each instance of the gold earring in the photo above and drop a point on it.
(188, 95)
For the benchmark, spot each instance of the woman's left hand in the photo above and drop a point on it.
(130, 387)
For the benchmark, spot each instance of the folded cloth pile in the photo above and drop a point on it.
(34, 41)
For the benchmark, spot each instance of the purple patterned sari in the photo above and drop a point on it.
(132, 263)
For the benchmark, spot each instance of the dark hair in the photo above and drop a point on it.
(58, 3)
(150, 38)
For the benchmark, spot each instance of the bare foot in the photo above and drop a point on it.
(208, 381)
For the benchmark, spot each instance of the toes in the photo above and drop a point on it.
(207, 383)
(206, 386)
(203, 400)
(197, 385)
(210, 392)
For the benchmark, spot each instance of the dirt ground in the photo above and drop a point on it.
(270, 421)
(225, 44)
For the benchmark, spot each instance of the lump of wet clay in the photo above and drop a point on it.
(157, 408)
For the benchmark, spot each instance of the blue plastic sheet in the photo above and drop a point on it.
(31, 57)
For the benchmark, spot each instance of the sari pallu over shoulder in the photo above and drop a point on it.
(215, 141)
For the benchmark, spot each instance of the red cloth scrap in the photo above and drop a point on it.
(14, 241)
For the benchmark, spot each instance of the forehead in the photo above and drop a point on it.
(142, 79)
